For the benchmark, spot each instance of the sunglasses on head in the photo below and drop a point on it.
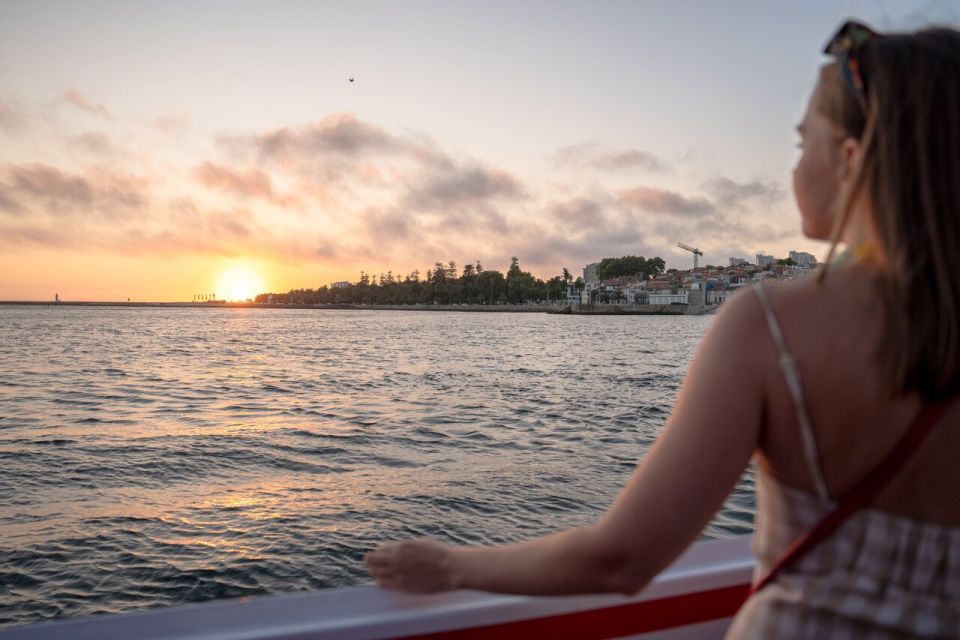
(846, 45)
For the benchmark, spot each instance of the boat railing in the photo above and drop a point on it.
(696, 597)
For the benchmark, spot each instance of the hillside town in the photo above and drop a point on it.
(628, 284)
(676, 286)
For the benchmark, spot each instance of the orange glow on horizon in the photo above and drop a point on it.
(240, 282)
(37, 275)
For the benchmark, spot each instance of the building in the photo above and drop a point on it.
(669, 298)
(660, 283)
(590, 273)
(718, 296)
(343, 284)
(635, 293)
(764, 261)
(738, 262)
(574, 295)
(803, 259)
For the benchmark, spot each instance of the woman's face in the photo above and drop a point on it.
(817, 176)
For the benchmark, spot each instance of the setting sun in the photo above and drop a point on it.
(239, 283)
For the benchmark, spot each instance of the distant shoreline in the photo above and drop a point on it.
(515, 308)
(266, 305)
(566, 309)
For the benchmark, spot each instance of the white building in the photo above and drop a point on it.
(803, 259)
(764, 261)
(716, 296)
(574, 295)
(635, 293)
(668, 298)
(590, 273)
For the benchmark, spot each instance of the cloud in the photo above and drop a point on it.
(589, 227)
(456, 186)
(592, 154)
(33, 235)
(576, 213)
(669, 202)
(716, 234)
(631, 158)
(74, 97)
(7, 202)
(402, 234)
(93, 142)
(185, 229)
(729, 193)
(585, 228)
(336, 161)
(169, 242)
(230, 224)
(41, 181)
(389, 226)
(250, 183)
(339, 134)
(327, 249)
(574, 154)
(234, 224)
(546, 249)
(352, 172)
(352, 192)
(472, 224)
(100, 193)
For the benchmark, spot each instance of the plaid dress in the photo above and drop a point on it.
(878, 576)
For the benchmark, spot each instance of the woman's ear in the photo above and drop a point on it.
(850, 158)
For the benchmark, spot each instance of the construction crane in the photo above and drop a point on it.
(696, 252)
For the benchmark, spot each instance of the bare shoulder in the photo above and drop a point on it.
(798, 293)
(738, 333)
(847, 296)
(741, 308)
(810, 314)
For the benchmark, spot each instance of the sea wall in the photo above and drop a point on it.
(630, 309)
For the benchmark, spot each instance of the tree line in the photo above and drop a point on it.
(446, 284)
(630, 266)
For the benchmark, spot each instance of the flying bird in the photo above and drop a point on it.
(351, 79)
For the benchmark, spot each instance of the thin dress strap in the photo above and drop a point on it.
(788, 365)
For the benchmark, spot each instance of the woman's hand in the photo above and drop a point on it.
(697, 460)
(420, 566)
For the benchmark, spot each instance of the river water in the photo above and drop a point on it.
(154, 456)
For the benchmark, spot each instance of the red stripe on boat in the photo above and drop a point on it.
(611, 622)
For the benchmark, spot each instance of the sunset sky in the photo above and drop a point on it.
(156, 150)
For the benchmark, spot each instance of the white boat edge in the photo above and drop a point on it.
(696, 597)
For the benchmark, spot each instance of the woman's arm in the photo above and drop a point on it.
(678, 486)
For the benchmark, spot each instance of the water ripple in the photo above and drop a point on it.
(160, 456)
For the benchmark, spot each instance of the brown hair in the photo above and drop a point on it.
(909, 130)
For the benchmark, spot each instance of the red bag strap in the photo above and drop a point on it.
(862, 492)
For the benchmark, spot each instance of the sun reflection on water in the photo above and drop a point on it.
(219, 452)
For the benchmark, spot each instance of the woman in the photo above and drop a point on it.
(831, 373)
